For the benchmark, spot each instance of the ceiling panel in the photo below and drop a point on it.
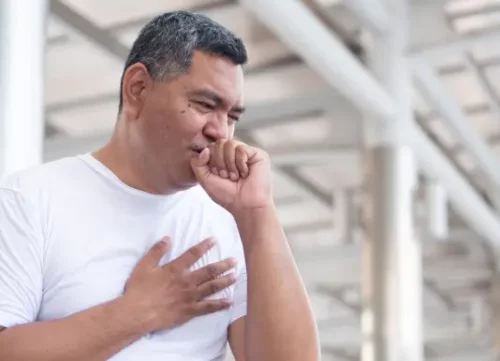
(281, 83)
(466, 89)
(87, 120)
(106, 13)
(304, 213)
(493, 75)
(485, 52)
(307, 130)
(347, 171)
(80, 70)
(486, 124)
(476, 22)
(454, 6)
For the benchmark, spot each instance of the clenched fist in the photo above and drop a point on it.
(235, 175)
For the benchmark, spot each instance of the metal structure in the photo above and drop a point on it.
(344, 95)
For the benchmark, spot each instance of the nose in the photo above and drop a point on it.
(217, 127)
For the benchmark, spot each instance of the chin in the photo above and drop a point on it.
(187, 180)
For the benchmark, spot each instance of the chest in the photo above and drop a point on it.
(90, 257)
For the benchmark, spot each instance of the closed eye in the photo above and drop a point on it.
(206, 105)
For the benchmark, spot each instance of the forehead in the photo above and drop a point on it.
(217, 74)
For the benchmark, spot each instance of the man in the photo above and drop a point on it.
(146, 248)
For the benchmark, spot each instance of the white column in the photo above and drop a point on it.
(436, 210)
(22, 38)
(392, 274)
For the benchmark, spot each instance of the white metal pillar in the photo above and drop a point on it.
(436, 210)
(22, 39)
(392, 271)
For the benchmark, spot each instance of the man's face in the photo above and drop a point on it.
(181, 117)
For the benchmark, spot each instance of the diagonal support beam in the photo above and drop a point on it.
(463, 197)
(322, 50)
(372, 12)
(432, 88)
(297, 27)
(89, 30)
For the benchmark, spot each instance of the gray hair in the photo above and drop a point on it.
(166, 44)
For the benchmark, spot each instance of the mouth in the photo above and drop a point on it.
(197, 149)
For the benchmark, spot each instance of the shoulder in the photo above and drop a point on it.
(34, 179)
(35, 186)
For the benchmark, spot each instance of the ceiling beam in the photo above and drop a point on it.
(89, 30)
(372, 13)
(458, 45)
(434, 91)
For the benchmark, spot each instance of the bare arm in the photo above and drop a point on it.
(94, 334)
(279, 324)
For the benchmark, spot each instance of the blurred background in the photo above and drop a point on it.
(382, 119)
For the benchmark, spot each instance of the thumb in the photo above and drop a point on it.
(199, 164)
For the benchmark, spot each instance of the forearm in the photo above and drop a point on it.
(280, 323)
(92, 335)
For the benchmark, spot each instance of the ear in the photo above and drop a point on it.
(136, 84)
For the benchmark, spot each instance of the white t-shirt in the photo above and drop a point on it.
(71, 233)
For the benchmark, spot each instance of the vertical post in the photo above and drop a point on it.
(392, 271)
(22, 39)
(436, 210)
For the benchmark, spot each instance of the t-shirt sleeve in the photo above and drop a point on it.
(21, 253)
(239, 307)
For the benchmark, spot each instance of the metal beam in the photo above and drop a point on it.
(436, 93)
(489, 92)
(465, 199)
(481, 9)
(329, 57)
(86, 28)
(457, 45)
(295, 25)
(373, 13)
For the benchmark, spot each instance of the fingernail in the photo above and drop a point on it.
(233, 262)
(211, 242)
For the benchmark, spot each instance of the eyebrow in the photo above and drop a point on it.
(217, 99)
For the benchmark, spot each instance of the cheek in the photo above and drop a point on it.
(195, 120)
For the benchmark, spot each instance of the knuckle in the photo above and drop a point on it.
(214, 288)
(196, 252)
(212, 271)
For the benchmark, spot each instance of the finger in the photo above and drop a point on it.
(154, 255)
(188, 258)
(242, 160)
(210, 306)
(199, 165)
(217, 159)
(212, 271)
(214, 286)
(230, 160)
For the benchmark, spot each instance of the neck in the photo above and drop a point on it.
(124, 156)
